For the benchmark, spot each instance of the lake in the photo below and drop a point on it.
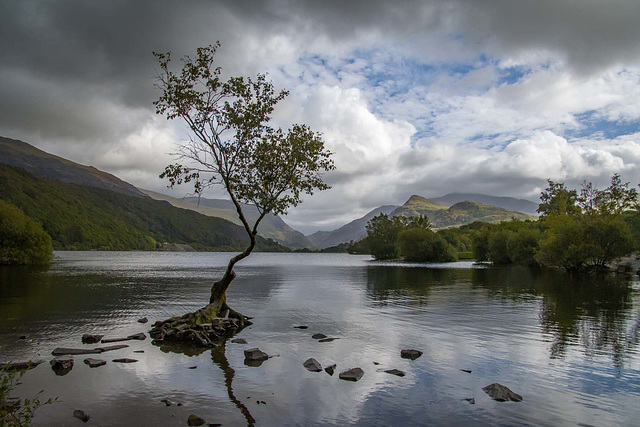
(568, 346)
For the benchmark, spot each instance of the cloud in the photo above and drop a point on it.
(421, 97)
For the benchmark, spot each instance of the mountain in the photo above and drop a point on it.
(18, 153)
(355, 230)
(458, 214)
(79, 217)
(23, 155)
(418, 205)
(440, 214)
(511, 203)
(271, 227)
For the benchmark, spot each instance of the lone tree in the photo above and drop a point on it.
(232, 145)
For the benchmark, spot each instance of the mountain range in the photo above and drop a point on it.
(450, 210)
(439, 214)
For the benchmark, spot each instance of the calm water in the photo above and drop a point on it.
(570, 348)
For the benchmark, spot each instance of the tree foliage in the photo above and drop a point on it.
(13, 411)
(22, 239)
(233, 145)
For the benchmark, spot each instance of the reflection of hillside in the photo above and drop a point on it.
(386, 283)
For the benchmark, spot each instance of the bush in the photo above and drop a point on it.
(421, 244)
(22, 239)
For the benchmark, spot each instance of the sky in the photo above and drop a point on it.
(412, 97)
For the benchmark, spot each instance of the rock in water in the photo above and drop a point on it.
(20, 366)
(94, 363)
(396, 372)
(254, 354)
(327, 339)
(143, 320)
(330, 369)
(195, 420)
(312, 365)
(91, 338)
(318, 336)
(81, 415)
(501, 393)
(124, 360)
(239, 341)
(62, 365)
(301, 327)
(410, 354)
(353, 374)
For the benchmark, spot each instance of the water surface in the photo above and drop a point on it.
(568, 346)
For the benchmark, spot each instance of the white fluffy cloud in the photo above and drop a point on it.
(413, 97)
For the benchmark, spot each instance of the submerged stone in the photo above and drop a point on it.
(61, 351)
(327, 339)
(81, 415)
(195, 420)
(410, 354)
(318, 336)
(353, 374)
(94, 363)
(501, 393)
(143, 320)
(62, 365)
(239, 341)
(396, 372)
(255, 354)
(91, 338)
(312, 365)
(20, 366)
(301, 327)
(124, 360)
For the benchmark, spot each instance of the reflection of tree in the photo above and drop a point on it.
(218, 357)
(595, 310)
(388, 283)
(592, 310)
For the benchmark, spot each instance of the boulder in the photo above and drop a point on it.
(396, 372)
(94, 363)
(143, 320)
(312, 365)
(254, 354)
(195, 420)
(91, 338)
(81, 415)
(330, 369)
(318, 336)
(62, 365)
(501, 393)
(410, 354)
(239, 341)
(353, 374)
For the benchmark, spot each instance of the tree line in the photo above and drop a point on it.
(578, 230)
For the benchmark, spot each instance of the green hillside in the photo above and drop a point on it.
(271, 227)
(458, 214)
(418, 205)
(82, 218)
